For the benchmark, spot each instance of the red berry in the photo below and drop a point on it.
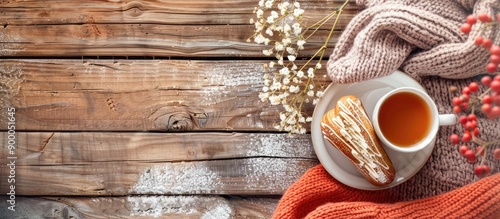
(487, 43)
(476, 132)
(486, 80)
(495, 50)
(470, 156)
(471, 125)
(483, 17)
(478, 41)
(498, 17)
(491, 67)
(486, 108)
(462, 149)
(454, 139)
(487, 99)
(496, 99)
(495, 111)
(495, 59)
(496, 153)
(464, 105)
(472, 117)
(456, 101)
(466, 137)
(456, 109)
(464, 97)
(482, 170)
(496, 78)
(466, 90)
(474, 87)
(462, 120)
(495, 85)
(471, 19)
(465, 28)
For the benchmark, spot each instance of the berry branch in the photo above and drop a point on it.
(489, 101)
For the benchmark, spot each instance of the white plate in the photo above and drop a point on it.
(336, 163)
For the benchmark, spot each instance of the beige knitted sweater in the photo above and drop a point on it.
(423, 39)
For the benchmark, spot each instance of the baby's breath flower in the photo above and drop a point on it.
(269, 32)
(287, 29)
(267, 52)
(300, 74)
(286, 80)
(284, 71)
(269, 4)
(300, 44)
(294, 89)
(275, 100)
(278, 25)
(270, 19)
(264, 96)
(274, 14)
(298, 12)
(310, 73)
(279, 47)
(287, 41)
(260, 13)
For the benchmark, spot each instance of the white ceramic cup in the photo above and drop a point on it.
(436, 120)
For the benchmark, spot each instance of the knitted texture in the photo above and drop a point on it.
(318, 195)
(388, 35)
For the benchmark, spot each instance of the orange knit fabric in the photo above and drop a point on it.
(319, 195)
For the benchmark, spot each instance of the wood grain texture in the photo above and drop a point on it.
(176, 12)
(142, 28)
(94, 164)
(137, 95)
(250, 176)
(83, 148)
(128, 207)
(139, 40)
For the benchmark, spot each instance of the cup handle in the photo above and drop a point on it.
(447, 119)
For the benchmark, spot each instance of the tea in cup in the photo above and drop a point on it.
(406, 119)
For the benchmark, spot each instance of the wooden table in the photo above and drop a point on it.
(132, 109)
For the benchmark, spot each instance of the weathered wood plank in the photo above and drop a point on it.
(139, 40)
(138, 28)
(145, 163)
(82, 148)
(250, 176)
(33, 12)
(137, 95)
(207, 207)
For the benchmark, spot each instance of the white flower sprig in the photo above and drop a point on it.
(280, 25)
